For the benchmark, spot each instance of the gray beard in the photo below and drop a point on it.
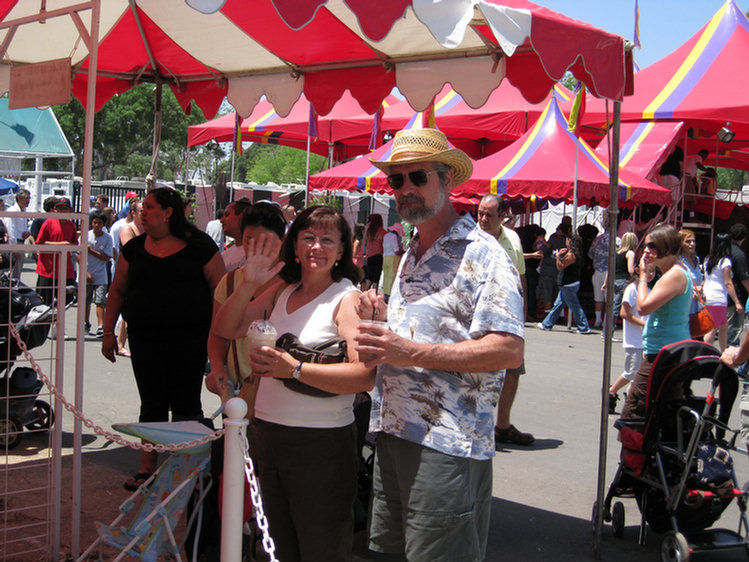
(421, 214)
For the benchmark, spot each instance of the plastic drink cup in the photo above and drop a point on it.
(364, 357)
(261, 332)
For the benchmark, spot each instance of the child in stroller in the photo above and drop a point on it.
(19, 406)
(675, 461)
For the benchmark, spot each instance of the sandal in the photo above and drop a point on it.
(134, 482)
(124, 353)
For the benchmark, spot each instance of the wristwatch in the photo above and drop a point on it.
(297, 372)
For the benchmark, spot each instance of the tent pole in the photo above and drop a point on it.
(574, 188)
(613, 211)
(306, 174)
(154, 171)
(88, 145)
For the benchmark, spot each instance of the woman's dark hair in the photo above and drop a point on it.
(325, 218)
(265, 215)
(179, 226)
(375, 224)
(666, 240)
(721, 249)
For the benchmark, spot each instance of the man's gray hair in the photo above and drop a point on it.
(22, 192)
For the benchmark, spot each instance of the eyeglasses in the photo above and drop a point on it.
(417, 177)
(325, 241)
(650, 246)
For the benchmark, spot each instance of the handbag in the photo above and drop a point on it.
(700, 322)
(317, 354)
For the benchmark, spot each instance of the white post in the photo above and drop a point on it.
(233, 494)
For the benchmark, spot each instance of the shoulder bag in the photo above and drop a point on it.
(318, 354)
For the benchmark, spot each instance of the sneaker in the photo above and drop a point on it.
(100, 332)
(583, 332)
(88, 327)
(540, 326)
(613, 399)
(512, 435)
(598, 326)
(616, 340)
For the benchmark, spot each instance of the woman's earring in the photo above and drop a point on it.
(335, 264)
(296, 259)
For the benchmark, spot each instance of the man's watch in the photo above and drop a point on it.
(297, 372)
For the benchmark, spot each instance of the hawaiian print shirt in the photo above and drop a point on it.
(599, 252)
(464, 287)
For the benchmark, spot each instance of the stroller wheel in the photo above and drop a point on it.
(44, 417)
(10, 432)
(674, 548)
(617, 519)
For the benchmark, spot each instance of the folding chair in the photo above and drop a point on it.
(163, 497)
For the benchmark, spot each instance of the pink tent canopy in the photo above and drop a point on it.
(644, 146)
(320, 48)
(541, 164)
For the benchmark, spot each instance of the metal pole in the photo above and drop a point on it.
(88, 144)
(612, 213)
(233, 481)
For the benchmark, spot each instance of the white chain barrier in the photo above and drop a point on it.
(249, 468)
(257, 501)
(96, 428)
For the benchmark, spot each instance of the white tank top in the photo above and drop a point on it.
(312, 324)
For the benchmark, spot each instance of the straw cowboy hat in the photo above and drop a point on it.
(412, 146)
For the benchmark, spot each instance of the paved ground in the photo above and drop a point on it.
(543, 494)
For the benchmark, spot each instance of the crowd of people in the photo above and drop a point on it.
(427, 316)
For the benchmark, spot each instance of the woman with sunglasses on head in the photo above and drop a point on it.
(304, 445)
(163, 286)
(666, 305)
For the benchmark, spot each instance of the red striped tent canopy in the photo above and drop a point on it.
(703, 83)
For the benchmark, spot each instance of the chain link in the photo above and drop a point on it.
(257, 500)
(98, 429)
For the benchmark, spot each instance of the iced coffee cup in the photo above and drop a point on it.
(261, 332)
(364, 357)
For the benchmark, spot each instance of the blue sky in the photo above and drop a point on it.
(664, 24)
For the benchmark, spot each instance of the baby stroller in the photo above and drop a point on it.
(19, 406)
(675, 461)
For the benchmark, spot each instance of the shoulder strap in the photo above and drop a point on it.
(233, 343)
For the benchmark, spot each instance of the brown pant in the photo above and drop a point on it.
(637, 393)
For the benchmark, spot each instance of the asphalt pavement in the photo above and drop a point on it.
(543, 493)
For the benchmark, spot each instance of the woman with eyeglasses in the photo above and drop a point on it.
(666, 305)
(304, 445)
(163, 286)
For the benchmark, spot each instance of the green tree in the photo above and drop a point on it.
(123, 133)
(263, 163)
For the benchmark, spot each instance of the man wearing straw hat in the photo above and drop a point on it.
(454, 324)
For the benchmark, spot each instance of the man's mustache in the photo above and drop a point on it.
(411, 198)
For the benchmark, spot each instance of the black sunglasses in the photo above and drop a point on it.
(417, 177)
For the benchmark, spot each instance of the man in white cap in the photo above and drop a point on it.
(455, 320)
